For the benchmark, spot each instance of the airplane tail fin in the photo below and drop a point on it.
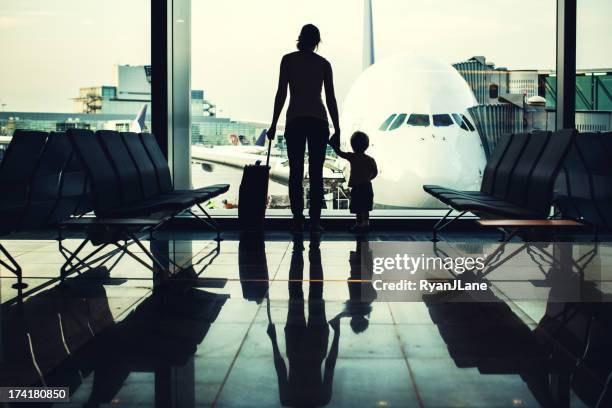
(138, 124)
(368, 34)
(261, 140)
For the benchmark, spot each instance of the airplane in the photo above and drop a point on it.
(415, 111)
(237, 156)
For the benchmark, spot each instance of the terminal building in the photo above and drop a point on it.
(115, 106)
(523, 100)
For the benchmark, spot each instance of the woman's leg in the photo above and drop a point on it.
(366, 219)
(317, 146)
(296, 144)
(358, 219)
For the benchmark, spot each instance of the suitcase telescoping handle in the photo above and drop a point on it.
(269, 149)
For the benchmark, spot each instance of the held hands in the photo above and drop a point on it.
(334, 140)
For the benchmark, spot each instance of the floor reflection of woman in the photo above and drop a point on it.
(306, 340)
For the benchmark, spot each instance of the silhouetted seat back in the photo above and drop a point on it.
(508, 163)
(125, 169)
(105, 189)
(597, 162)
(490, 171)
(542, 181)
(521, 175)
(55, 190)
(159, 162)
(16, 171)
(75, 188)
(573, 195)
(148, 175)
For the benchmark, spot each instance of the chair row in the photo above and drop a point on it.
(130, 176)
(41, 183)
(518, 181)
(53, 179)
(584, 187)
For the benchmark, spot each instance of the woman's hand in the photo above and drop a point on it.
(334, 140)
(271, 132)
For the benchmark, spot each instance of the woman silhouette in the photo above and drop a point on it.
(305, 73)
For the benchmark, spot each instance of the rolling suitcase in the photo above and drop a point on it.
(253, 195)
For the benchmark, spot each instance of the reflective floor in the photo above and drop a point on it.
(282, 321)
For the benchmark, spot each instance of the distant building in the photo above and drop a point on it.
(132, 89)
(115, 106)
(512, 101)
(489, 83)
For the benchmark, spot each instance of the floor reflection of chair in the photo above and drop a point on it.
(62, 335)
(160, 335)
(302, 383)
(43, 333)
(568, 350)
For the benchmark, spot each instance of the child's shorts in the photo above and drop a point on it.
(362, 198)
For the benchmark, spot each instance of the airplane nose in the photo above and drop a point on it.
(432, 160)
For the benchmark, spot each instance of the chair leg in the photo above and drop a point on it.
(208, 221)
(443, 223)
(13, 267)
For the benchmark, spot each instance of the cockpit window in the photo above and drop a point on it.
(398, 121)
(460, 121)
(468, 123)
(442, 120)
(387, 122)
(417, 119)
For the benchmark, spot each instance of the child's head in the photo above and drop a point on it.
(360, 142)
(359, 324)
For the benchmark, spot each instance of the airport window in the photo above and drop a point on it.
(493, 91)
(418, 120)
(593, 93)
(460, 121)
(387, 122)
(442, 120)
(236, 100)
(399, 121)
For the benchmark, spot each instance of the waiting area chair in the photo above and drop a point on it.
(55, 179)
(131, 192)
(584, 187)
(518, 181)
(16, 171)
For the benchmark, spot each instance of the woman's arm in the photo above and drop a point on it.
(330, 98)
(281, 97)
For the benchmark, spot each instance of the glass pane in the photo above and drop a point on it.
(594, 66)
(399, 121)
(460, 121)
(418, 120)
(386, 123)
(468, 123)
(74, 64)
(442, 120)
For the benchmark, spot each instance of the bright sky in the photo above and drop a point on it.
(52, 48)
